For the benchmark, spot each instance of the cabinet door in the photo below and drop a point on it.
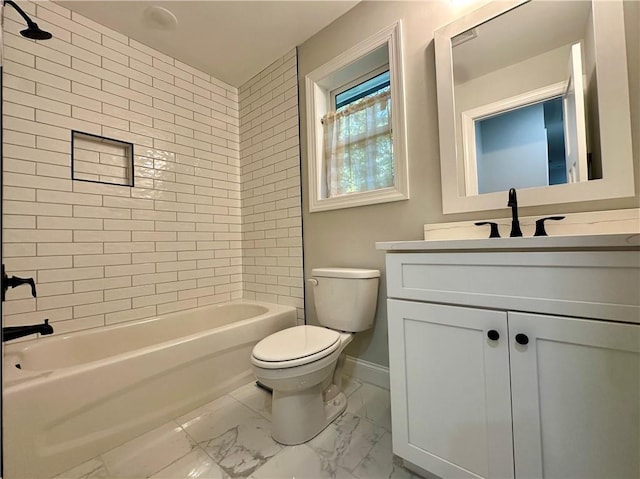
(450, 397)
(575, 393)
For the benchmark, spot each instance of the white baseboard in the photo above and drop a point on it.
(368, 372)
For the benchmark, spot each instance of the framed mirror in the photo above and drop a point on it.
(534, 95)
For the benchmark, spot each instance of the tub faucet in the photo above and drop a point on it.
(15, 332)
(515, 224)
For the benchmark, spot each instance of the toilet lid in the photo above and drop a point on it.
(297, 343)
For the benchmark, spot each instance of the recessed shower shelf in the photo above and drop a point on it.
(101, 160)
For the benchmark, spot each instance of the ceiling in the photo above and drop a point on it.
(230, 40)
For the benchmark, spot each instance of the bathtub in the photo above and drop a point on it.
(71, 397)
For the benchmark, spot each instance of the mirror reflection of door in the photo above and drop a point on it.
(575, 127)
(533, 139)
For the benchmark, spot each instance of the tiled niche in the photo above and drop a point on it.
(98, 159)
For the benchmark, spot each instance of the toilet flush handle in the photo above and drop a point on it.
(313, 281)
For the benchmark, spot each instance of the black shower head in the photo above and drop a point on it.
(32, 31)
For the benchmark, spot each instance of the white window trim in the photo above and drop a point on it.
(469, 118)
(318, 98)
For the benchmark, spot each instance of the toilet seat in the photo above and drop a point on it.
(295, 347)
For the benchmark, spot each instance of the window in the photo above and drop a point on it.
(355, 126)
(358, 146)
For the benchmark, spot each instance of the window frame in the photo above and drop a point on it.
(321, 89)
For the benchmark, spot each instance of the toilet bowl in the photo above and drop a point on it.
(303, 364)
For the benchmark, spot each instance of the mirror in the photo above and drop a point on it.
(534, 95)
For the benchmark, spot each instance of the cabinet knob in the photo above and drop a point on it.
(522, 339)
(493, 335)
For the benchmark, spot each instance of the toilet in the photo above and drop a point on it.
(303, 364)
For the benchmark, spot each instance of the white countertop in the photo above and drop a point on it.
(629, 241)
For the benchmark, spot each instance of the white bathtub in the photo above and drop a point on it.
(75, 396)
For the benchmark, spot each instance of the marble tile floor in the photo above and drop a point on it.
(230, 438)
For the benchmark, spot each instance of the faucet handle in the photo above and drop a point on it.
(14, 281)
(494, 228)
(540, 231)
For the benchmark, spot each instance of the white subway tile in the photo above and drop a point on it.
(129, 292)
(83, 90)
(19, 139)
(63, 223)
(106, 284)
(78, 324)
(154, 299)
(177, 306)
(126, 50)
(36, 316)
(17, 306)
(101, 236)
(101, 212)
(101, 260)
(19, 194)
(130, 315)
(136, 247)
(71, 274)
(66, 23)
(35, 236)
(52, 93)
(19, 166)
(15, 250)
(102, 308)
(63, 249)
(99, 49)
(70, 300)
(153, 257)
(129, 225)
(127, 270)
(18, 83)
(44, 65)
(154, 278)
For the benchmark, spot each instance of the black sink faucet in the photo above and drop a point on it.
(515, 224)
(15, 332)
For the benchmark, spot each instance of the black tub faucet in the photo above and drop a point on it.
(15, 332)
(515, 224)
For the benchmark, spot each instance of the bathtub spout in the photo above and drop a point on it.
(15, 332)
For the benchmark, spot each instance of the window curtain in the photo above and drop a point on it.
(358, 154)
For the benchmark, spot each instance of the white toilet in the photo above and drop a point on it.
(303, 364)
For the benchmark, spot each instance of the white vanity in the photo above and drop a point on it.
(516, 357)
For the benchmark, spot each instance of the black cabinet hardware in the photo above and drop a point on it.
(493, 335)
(522, 339)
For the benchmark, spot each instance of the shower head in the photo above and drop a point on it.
(32, 31)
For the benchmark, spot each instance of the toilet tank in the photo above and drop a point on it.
(345, 298)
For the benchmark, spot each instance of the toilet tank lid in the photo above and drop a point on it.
(354, 273)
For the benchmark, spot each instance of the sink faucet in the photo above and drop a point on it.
(515, 224)
(15, 332)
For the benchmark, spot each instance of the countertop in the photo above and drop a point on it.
(621, 241)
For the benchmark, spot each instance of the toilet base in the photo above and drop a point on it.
(299, 417)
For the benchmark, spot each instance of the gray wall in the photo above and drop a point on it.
(347, 237)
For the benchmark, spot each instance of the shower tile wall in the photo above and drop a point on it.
(105, 254)
(270, 164)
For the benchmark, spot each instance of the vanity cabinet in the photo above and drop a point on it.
(518, 364)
